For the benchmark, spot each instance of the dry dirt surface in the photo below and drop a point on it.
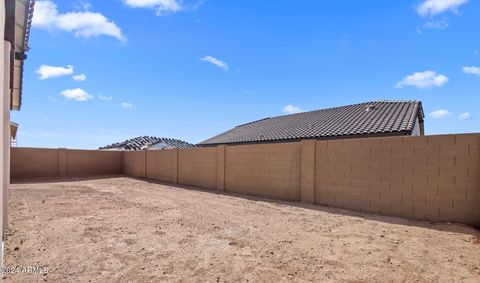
(128, 230)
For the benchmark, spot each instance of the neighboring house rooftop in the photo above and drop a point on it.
(146, 142)
(377, 118)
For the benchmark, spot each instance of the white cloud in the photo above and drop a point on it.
(82, 5)
(433, 7)
(160, 6)
(290, 109)
(464, 116)
(106, 98)
(127, 105)
(82, 24)
(439, 25)
(423, 80)
(471, 70)
(198, 4)
(55, 100)
(76, 94)
(47, 72)
(79, 78)
(436, 25)
(440, 113)
(219, 63)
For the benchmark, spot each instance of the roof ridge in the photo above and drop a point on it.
(415, 112)
(252, 122)
(141, 142)
(337, 107)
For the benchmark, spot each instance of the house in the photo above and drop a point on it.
(13, 134)
(369, 119)
(148, 143)
(15, 22)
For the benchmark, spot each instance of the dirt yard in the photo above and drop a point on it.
(122, 229)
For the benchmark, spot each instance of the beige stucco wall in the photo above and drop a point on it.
(267, 170)
(4, 109)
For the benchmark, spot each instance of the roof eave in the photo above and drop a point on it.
(18, 33)
(356, 136)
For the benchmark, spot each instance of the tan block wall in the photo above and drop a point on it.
(134, 163)
(433, 178)
(159, 165)
(43, 162)
(266, 170)
(198, 167)
(82, 163)
(221, 167)
(307, 170)
(33, 162)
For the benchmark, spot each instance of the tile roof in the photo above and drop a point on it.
(377, 117)
(146, 142)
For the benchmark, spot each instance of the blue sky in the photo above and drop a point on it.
(192, 69)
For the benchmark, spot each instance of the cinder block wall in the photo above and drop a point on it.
(266, 170)
(198, 167)
(43, 162)
(134, 164)
(93, 162)
(435, 178)
(34, 162)
(161, 165)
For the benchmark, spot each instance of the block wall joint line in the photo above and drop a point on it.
(224, 167)
(314, 169)
(300, 193)
(144, 164)
(223, 164)
(58, 162)
(176, 165)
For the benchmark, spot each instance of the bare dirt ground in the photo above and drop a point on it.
(122, 229)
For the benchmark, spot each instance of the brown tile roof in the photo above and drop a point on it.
(377, 117)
